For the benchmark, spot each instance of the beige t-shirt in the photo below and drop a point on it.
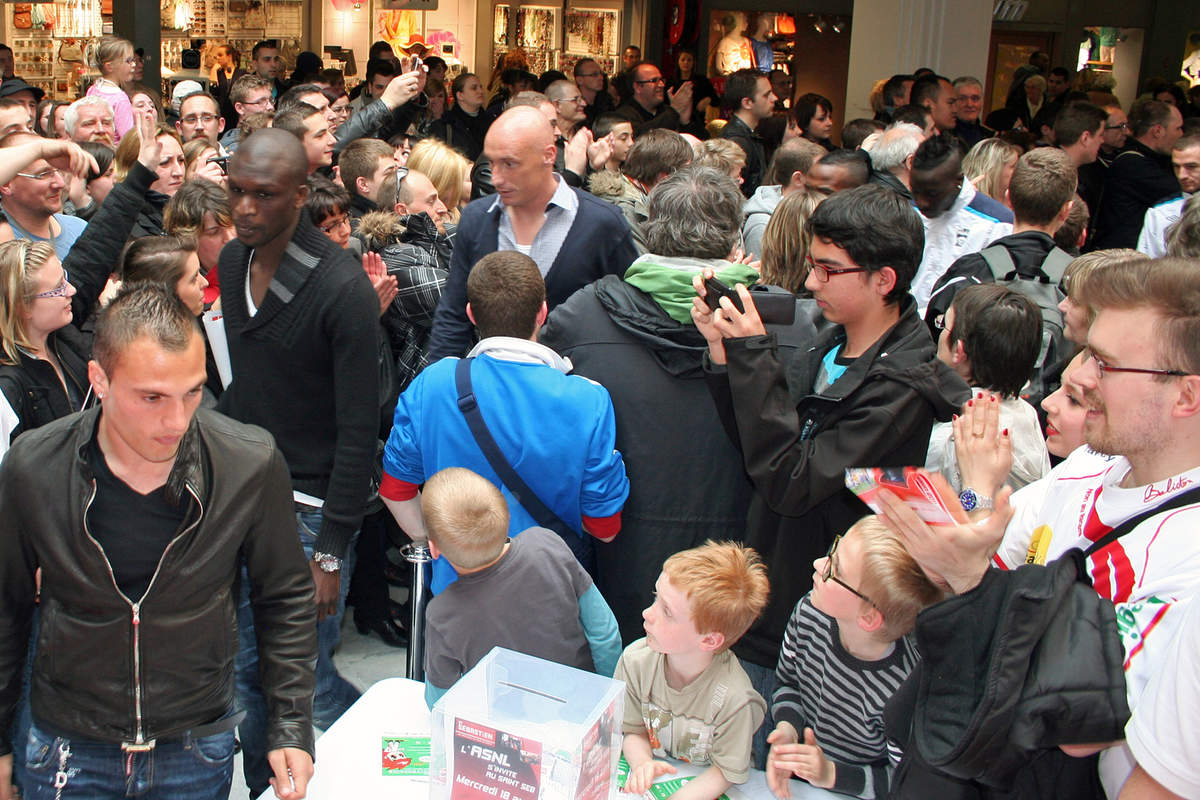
(710, 721)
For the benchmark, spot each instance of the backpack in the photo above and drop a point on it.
(1043, 289)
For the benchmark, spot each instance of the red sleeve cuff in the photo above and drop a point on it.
(395, 489)
(603, 527)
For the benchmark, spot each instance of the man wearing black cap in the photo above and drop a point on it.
(22, 92)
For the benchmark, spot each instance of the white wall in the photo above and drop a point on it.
(891, 36)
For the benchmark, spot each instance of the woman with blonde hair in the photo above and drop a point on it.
(786, 241)
(113, 58)
(449, 172)
(43, 358)
(171, 170)
(989, 165)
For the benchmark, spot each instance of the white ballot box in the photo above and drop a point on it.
(518, 727)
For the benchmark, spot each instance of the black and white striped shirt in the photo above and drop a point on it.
(823, 687)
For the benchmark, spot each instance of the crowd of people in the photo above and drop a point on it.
(610, 355)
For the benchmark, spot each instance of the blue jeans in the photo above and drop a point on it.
(334, 694)
(23, 718)
(181, 769)
(765, 683)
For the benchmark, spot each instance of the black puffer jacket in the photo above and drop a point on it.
(1026, 661)
(686, 479)
(796, 445)
(116, 669)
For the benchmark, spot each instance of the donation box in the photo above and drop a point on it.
(518, 727)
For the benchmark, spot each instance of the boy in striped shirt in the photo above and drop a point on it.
(844, 654)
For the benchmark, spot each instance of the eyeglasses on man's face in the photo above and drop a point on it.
(824, 271)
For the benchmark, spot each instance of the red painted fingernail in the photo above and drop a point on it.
(971, 403)
(1006, 431)
(992, 398)
(956, 416)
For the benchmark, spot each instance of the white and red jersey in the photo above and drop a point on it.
(1150, 574)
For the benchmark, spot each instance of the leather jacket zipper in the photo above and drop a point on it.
(69, 377)
(136, 608)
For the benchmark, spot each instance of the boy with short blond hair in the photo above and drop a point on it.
(687, 697)
(844, 655)
(528, 593)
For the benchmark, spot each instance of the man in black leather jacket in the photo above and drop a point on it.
(138, 514)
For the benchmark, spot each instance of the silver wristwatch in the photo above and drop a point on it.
(972, 500)
(327, 562)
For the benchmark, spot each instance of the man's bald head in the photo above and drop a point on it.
(269, 148)
(522, 123)
(520, 146)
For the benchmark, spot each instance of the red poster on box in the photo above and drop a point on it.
(494, 765)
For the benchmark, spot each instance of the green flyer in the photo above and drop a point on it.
(658, 791)
(406, 755)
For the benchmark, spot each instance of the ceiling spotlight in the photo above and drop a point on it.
(820, 25)
(838, 26)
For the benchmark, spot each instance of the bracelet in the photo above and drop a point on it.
(327, 562)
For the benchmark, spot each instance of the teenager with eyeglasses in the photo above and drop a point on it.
(866, 394)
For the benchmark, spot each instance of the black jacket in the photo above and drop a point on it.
(465, 133)
(756, 159)
(889, 181)
(116, 669)
(1026, 661)
(1028, 251)
(687, 483)
(150, 219)
(972, 133)
(1137, 179)
(796, 445)
(306, 368)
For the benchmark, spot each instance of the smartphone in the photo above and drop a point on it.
(715, 289)
(220, 161)
(775, 306)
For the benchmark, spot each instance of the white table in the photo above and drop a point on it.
(348, 754)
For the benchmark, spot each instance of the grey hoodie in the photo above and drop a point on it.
(758, 210)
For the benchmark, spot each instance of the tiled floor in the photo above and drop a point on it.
(362, 660)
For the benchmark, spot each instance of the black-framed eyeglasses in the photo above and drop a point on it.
(401, 174)
(824, 272)
(650, 80)
(1121, 127)
(1105, 367)
(829, 570)
(336, 222)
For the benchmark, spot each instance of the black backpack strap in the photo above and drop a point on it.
(1181, 499)
(495, 456)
